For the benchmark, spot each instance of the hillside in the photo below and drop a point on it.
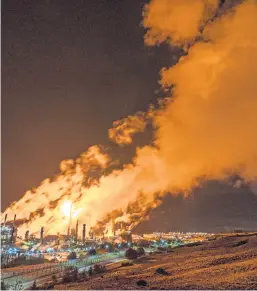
(226, 263)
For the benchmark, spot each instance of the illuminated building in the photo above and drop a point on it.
(6, 234)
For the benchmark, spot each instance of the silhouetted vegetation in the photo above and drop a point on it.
(92, 252)
(161, 271)
(54, 279)
(70, 274)
(169, 249)
(126, 264)
(131, 254)
(140, 251)
(34, 286)
(161, 249)
(4, 286)
(99, 269)
(90, 271)
(141, 283)
(72, 256)
(240, 243)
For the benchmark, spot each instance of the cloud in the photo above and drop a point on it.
(178, 21)
(208, 129)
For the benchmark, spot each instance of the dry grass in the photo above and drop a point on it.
(220, 264)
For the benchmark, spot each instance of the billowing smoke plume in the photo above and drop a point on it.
(178, 21)
(205, 128)
(52, 202)
(208, 130)
(123, 130)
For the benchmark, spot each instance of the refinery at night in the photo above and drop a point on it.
(129, 145)
(58, 247)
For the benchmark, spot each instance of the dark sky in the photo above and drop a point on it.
(69, 69)
(215, 207)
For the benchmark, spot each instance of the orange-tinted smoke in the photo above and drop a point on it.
(209, 128)
(123, 130)
(176, 21)
(205, 129)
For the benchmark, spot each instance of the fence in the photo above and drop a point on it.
(30, 275)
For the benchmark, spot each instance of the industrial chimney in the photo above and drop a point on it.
(14, 219)
(12, 234)
(113, 227)
(13, 229)
(27, 235)
(84, 233)
(5, 218)
(42, 234)
(77, 229)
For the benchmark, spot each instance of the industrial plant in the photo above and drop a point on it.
(79, 241)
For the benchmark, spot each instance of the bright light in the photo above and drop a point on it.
(68, 208)
(12, 251)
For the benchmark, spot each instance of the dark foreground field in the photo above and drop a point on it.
(225, 263)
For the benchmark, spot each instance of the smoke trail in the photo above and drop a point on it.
(206, 128)
(46, 205)
(178, 21)
(123, 130)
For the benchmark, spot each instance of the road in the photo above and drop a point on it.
(44, 274)
(48, 278)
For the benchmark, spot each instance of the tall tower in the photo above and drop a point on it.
(27, 235)
(77, 229)
(5, 218)
(42, 234)
(12, 239)
(84, 233)
(14, 219)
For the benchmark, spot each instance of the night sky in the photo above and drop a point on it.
(69, 69)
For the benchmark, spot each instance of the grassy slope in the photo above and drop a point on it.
(215, 265)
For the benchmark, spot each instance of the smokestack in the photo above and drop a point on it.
(77, 228)
(113, 227)
(12, 234)
(13, 229)
(5, 218)
(42, 234)
(27, 235)
(84, 233)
